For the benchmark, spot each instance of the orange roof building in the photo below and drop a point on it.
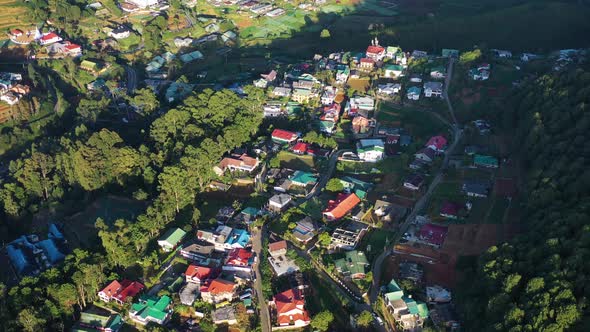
(340, 207)
(198, 274)
(237, 163)
(290, 308)
(218, 290)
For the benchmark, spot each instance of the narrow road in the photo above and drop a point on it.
(374, 292)
(262, 305)
(131, 79)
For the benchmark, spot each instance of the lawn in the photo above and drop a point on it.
(80, 227)
(297, 162)
(421, 125)
(354, 167)
(375, 241)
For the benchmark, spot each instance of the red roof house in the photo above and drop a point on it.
(277, 248)
(16, 32)
(437, 143)
(433, 234)
(367, 63)
(49, 38)
(239, 257)
(120, 291)
(290, 308)
(283, 136)
(73, 49)
(198, 274)
(300, 148)
(450, 210)
(375, 52)
(340, 207)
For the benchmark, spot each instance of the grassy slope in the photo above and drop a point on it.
(12, 15)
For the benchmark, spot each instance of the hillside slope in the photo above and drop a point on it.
(540, 281)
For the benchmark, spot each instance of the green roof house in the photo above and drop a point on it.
(450, 53)
(90, 322)
(393, 71)
(407, 312)
(171, 239)
(151, 309)
(327, 126)
(485, 161)
(353, 265)
(342, 73)
(303, 179)
(355, 184)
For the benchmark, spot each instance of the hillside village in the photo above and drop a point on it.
(380, 167)
(371, 174)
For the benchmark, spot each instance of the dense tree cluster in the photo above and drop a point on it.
(172, 166)
(539, 281)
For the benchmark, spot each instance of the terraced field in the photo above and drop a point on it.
(12, 14)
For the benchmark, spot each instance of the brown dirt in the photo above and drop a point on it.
(439, 264)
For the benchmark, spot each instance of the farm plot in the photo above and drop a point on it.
(12, 14)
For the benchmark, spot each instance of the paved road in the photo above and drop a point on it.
(263, 306)
(325, 176)
(374, 292)
(131, 79)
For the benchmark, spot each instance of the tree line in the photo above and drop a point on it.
(539, 280)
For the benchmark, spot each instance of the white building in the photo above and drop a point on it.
(433, 89)
(370, 150)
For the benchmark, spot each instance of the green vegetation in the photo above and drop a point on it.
(535, 281)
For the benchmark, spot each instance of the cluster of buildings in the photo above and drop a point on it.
(11, 90)
(255, 7)
(30, 256)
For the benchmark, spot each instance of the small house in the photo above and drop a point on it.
(449, 53)
(353, 265)
(450, 210)
(370, 150)
(171, 239)
(414, 181)
(425, 154)
(218, 290)
(279, 202)
(485, 161)
(438, 72)
(433, 89)
(414, 93)
(476, 188)
(340, 207)
(151, 309)
(437, 143)
(393, 71)
(283, 136)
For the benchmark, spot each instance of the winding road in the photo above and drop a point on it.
(374, 292)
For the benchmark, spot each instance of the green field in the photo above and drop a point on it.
(297, 162)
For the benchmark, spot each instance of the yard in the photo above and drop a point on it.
(374, 243)
(419, 124)
(297, 162)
